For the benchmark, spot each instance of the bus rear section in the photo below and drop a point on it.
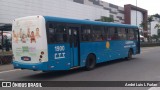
(29, 43)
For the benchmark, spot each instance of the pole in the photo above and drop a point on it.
(136, 12)
(2, 39)
(150, 32)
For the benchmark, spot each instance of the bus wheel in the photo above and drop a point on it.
(130, 53)
(91, 62)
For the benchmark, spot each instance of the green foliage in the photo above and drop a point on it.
(156, 37)
(157, 15)
(158, 32)
(157, 26)
(142, 24)
(150, 19)
(105, 19)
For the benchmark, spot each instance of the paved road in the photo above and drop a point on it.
(144, 67)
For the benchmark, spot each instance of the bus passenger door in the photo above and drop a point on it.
(74, 45)
(137, 35)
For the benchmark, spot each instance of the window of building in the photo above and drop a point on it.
(79, 1)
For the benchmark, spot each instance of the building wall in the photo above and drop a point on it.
(130, 17)
(78, 9)
(115, 11)
(11, 9)
(136, 19)
(154, 30)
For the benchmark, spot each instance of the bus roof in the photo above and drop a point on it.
(76, 21)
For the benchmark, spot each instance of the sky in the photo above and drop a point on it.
(152, 6)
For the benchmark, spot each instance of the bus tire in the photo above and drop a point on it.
(90, 62)
(130, 54)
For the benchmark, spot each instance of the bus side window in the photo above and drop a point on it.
(57, 33)
(98, 33)
(122, 34)
(65, 37)
(136, 34)
(86, 33)
(106, 34)
(51, 33)
(62, 33)
(113, 35)
(131, 35)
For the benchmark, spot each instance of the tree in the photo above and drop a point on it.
(157, 26)
(155, 37)
(156, 15)
(150, 19)
(142, 24)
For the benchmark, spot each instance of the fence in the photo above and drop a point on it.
(5, 59)
(150, 44)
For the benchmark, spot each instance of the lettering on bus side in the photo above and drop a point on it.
(129, 44)
(59, 52)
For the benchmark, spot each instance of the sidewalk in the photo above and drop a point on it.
(6, 67)
(6, 57)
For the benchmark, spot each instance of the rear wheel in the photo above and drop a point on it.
(130, 54)
(91, 62)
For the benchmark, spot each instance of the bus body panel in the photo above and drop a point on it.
(96, 48)
(32, 66)
(116, 49)
(29, 41)
(64, 56)
(60, 57)
(74, 21)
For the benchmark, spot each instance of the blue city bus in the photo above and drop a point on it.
(49, 43)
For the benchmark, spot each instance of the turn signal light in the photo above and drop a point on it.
(41, 56)
(42, 52)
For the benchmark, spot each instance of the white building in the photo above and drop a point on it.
(136, 19)
(11, 9)
(154, 31)
(78, 9)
